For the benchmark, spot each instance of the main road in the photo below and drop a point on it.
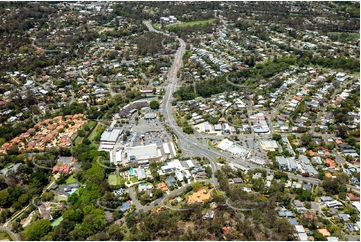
(186, 141)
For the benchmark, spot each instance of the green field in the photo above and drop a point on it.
(6, 236)
(78, 140)
(157, 26)
(200, 22)
(71, 179)
(114, 179)
(95, 132)
(57, 221)
(353, 35)
(91, 124)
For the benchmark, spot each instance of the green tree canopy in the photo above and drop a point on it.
(154, 104)
(37, 230)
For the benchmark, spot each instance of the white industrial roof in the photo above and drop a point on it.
(143, 152)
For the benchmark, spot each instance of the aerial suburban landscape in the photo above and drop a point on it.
(180, 120)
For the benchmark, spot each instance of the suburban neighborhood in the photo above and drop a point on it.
(180, 121)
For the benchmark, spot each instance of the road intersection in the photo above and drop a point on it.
(189, 143)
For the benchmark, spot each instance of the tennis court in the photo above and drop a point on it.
(114, 179)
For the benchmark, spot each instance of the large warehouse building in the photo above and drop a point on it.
(143, 154)
(109, 137)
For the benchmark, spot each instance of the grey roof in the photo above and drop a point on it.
(141, 173)
(344, 217)
(111, 135)
(64, 190)
(65, 159)
(307, 187)
(150, 115)
(179, 175)
(238, 180)
(350, 227)
(184, 164)
(125, 206)
(292, 221)
(326, 199)
(143, 152)
(286, 162)
(306, 164)
(170, 181)
(285, 214)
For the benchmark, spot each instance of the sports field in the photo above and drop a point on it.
(186, 24)
(114, 179)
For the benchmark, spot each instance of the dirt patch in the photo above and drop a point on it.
(105, 29)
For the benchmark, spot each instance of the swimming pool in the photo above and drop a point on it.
(71, 191)
(131, 171)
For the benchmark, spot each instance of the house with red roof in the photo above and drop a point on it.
(330, 162)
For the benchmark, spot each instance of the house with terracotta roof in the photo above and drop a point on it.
(297, 98)
(162, 186)
(311, 153)
(328, 175)
(310, 216)
(338, 141)
(62, 168)
(330, 162)
(324, 232)
(353, 197)
(227, 230)
(222, 119)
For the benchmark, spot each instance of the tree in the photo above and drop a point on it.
(154, 104)
(306, 139)
(81, 133)
(188, 130)
(319, 237)
(37, 230)
(276, 137)
(47, 196)
(257, 184)
(342, 131)
(115, 233)
(4, 197)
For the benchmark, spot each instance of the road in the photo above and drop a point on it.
(188, 142)
(13, 236)
(155, 202)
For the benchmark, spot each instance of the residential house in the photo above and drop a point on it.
(45, 212)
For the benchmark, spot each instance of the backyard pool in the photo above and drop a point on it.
(71, 191)
(131, 171)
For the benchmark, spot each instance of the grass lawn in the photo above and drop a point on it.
(94, 133)
(134, 179)
(60, 198)
(71, 179)
(114, 179)
(354, 35)
(4, 235)
(91, 124)
(186, 24)
(157, 26)
(57, 221)
(78, 140)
